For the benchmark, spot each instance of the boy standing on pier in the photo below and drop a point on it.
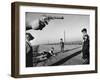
(62, 45)
(85, 46)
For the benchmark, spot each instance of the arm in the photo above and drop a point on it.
(39, 24)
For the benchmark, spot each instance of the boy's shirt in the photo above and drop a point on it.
(28, 47)
(62, 44)
(86, 42)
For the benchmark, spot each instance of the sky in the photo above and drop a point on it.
(72, 24)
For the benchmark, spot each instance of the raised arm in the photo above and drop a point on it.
(39, 24)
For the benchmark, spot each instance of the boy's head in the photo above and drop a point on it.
(29, 36)
(84, 31)
(61, 39)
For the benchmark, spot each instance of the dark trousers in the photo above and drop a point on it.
(62, 48)
(29, 60)
(86, 56)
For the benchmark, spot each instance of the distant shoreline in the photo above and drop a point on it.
(80, 43)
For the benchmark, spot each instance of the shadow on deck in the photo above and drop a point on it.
(66, 58)
(68, 50)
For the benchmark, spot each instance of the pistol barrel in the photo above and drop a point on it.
(55, 17)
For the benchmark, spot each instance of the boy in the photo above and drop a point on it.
(85, 46)
(62, 45)
(29, 55)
